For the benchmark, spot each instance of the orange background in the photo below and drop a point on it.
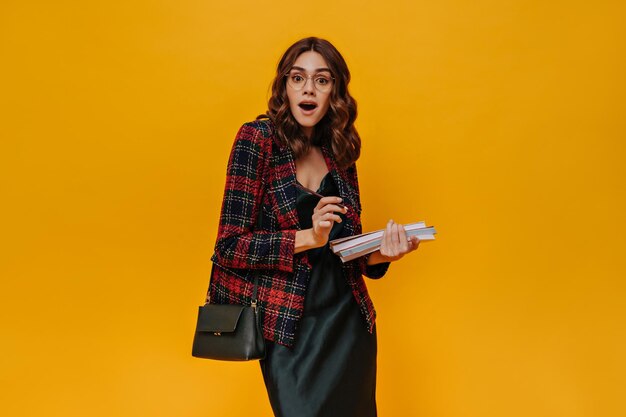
(501, 123)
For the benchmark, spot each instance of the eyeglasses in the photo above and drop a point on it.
(297, 81)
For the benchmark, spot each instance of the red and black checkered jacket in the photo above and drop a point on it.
(261, 177)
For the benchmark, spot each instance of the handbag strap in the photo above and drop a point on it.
(257, 225)
(256, 273)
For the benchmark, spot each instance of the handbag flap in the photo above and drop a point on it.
(219, 317)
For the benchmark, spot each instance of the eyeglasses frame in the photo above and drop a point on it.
(309, 77)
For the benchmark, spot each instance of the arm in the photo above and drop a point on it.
(237, 246)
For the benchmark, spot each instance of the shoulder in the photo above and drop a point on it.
(252, 147)
(261, 128)
(256, 133)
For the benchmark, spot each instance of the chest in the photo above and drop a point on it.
(311, 168)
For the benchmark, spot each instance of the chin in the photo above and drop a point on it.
(306, 122)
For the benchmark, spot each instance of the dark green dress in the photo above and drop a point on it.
(331, 370)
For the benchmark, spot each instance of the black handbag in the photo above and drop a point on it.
(229, 332)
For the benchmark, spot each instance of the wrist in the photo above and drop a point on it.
(377, 258)
(305, 240)
(316, 241)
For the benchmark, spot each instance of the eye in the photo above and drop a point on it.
(322, 80)
(297, 78)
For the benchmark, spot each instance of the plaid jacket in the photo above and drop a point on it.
(261, 176)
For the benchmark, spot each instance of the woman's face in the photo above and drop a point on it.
(308, 105)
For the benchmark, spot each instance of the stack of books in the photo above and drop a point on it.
(352, 247)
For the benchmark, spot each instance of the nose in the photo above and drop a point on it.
(309, 85)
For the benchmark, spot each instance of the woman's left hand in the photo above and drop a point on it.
(395, 244)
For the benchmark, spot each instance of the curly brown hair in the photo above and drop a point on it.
(336, 129)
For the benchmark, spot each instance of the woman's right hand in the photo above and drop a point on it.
(324, 217)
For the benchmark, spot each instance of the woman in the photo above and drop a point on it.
(315, 311)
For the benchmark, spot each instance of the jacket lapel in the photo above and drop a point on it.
(284, 187)
(346, 191)
(332, 167)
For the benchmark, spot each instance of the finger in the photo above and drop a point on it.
(325, 214)
(387, 237)
(394, 234)
(404, 242)
(332, 208)
(328, 200)
(327, 217)
(333, 217)
(415, 241)
(395, 239)
(324, 224)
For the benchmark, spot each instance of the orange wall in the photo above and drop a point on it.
(501, 123)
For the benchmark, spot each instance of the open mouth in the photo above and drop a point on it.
(307, 106)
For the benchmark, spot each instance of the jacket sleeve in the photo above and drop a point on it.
(237, 245)
(371, 271)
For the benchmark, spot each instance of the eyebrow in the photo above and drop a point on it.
(303, 70)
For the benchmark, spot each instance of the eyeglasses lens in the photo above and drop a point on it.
(323, 83)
